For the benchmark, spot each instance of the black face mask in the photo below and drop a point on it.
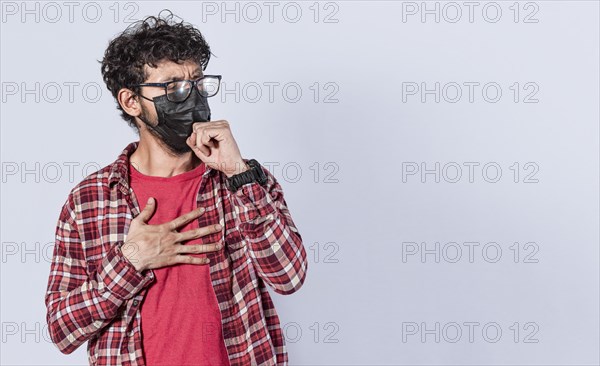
(175, 120)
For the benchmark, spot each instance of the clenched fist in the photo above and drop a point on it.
(213, 143)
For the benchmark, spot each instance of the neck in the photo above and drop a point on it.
(151, 158)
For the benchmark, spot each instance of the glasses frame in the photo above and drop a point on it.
(194, 86)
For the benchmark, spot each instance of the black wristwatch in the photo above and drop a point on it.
(254, 174)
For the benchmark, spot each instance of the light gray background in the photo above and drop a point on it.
(360, 298)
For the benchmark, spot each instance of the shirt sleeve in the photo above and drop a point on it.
(273, 241)
(79, 304)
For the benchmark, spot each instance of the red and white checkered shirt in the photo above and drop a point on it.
(94, 293)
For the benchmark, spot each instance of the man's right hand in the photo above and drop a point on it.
(154, 246)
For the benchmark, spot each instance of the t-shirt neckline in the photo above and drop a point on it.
(190, 174)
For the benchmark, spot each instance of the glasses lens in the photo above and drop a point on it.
(209, 86)
(178, 91)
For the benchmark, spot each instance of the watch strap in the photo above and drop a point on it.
(254, 174)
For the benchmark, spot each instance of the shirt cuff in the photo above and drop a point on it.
(253, 204)
(118, 275)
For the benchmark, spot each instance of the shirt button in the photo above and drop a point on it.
(135, 302)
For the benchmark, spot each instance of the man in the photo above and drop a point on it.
(164, 256)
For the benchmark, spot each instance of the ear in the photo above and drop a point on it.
(129, 102)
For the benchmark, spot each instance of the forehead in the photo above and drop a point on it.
(168, 70)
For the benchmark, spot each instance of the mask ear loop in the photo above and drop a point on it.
(148, 99)
(144, 119)
(140, 116)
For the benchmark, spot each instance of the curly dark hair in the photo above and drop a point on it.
(148, 42)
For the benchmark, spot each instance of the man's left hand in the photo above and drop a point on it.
(213, 143)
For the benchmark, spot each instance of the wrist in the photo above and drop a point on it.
(128, 252)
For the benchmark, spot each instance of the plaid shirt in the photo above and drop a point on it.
(94, 293)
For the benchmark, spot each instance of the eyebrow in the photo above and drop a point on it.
(195, 75)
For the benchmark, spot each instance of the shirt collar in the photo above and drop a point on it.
(119, 172)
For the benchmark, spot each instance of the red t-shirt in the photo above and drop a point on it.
(181, 321)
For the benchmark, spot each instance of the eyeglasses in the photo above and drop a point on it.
(179, 90)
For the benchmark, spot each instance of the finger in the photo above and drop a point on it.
(199, 126)
(191, 140)
(196, 233)
(148, 210)
(208, 136)
(202, 151)
(193, 143)
(188, 259)
(184, 219)
(199, 248)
